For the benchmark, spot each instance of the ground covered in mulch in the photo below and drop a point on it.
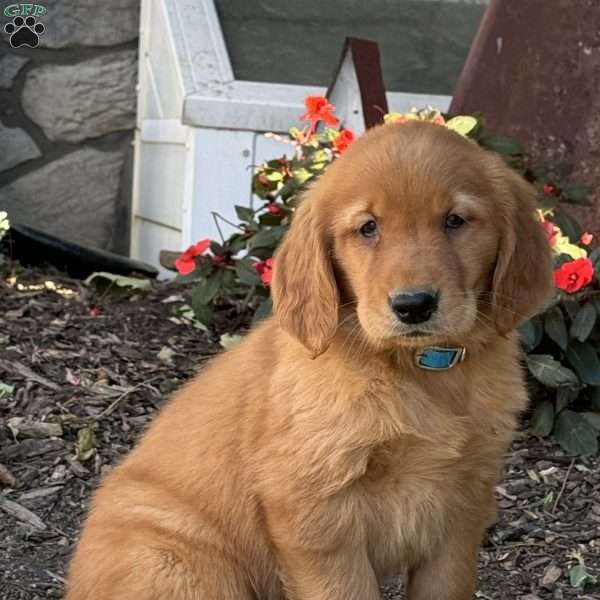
(82, 374)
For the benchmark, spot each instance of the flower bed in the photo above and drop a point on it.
(561, 344)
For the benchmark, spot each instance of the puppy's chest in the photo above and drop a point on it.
(442, 467)
(411, 494)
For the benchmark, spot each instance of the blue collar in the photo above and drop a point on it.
(439, 359)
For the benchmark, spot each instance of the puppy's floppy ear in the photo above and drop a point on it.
(304, 290)
(522, 281)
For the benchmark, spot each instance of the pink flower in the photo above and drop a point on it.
(574, 275)
(551, 232)
(265, 270)
(273, 208)
(186, 263)
(586, 238)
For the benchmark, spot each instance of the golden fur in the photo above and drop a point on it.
(315, 458)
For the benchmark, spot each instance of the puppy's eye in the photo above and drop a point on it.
(369, 229)
(454, 221)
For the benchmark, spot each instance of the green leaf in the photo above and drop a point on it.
(531, 333)
(267, 238)
(571, 305)
(301, 176)
(263, 311)
(549, 371)
(584, 359)
(244, 213)
(584, 322)
(246, 272)
(595, 398)
(120, 281)
(593, 418)
(542, 419)
(85, 446)
(575, 434)
(579, 576)
(564, 396)
(206, 290)
(568, 225)
(269, 219)
(462, 124)
(237, 242)
(502, 145)
(595, 256)
(556, 328)
(578, 194)
(204, 313)
(6, 390)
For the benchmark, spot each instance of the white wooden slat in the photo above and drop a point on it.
(165, 131)
(345, 95)
(165, 69)
(404, 102)
(222, 172)
(149, 238)
(161, 183)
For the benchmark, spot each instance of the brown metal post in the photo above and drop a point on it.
(534, 72)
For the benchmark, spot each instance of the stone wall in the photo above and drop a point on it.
(67, 114)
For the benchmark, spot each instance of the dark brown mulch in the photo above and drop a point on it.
(76, 372)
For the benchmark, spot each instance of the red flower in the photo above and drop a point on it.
(574, 275)
(548, 188)
(318, 108)
(343, 140)
(186, 263)
(273, 208)
(586, 238)
(265, 270)
(94, 312)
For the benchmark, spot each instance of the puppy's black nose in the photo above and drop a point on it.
(414, 307)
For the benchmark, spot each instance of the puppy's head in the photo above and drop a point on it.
(421, 235)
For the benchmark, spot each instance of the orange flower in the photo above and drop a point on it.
(186, 263)
(574, 275)
(265, 270)
(343, 140)
(586, 238)
(318, 108)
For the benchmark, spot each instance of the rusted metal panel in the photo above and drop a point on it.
(534, 72)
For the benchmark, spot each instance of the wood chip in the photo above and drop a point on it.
(22, 514)
(551, 575)
(6, 477)
(22, 427)
(11, 366)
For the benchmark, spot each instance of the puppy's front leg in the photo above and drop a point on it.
(341, 575)
(451, 573)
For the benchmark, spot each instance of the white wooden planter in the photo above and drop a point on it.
(199, 130)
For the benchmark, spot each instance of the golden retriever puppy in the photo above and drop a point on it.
(359, 432)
